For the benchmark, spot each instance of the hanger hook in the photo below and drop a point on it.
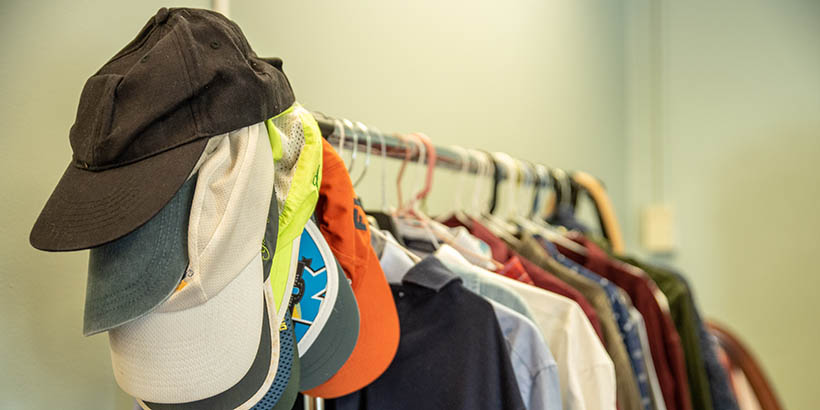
(400, 175)
(465, 165)
(339, 129)
(490, 172)
(531, 179)
(541, 181)
(420, 150)
(355, 134)
(367, 155)
(476, 204)
(383, 149)
(431, 155)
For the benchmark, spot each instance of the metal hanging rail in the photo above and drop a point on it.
(395, 148)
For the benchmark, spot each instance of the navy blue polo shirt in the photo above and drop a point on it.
(452, 354)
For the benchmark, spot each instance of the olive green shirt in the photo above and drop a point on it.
(682, 311)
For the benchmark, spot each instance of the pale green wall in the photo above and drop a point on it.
(540, 80)
(734, 92)
(49, 49)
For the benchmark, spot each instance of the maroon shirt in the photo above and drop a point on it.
(542, 279)
(664, 342)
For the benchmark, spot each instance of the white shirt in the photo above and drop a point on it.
(585, 370)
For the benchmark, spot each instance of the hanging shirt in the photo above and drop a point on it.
(723, 397)
(621, 306)
(535, 368)
(665, 346)
(585, 370)
(629, 395)
(683, 314)
(544, 280)
(452, 353)
(658, 401)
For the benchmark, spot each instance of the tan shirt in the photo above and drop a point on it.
(628, 394)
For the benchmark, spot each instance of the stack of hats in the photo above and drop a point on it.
(194, 180)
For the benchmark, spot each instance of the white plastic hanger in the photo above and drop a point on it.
(349, 124)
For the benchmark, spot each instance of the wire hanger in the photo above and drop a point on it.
(367, 156)
(458, 211)
(384, 170)
(339, 129)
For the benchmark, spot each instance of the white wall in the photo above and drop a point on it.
(540, 80)
(734, 93)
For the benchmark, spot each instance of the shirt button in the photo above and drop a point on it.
(401, 294)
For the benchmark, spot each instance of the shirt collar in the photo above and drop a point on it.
(430, 274)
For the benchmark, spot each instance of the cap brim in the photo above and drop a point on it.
(291, 392)
(192, 354)
(129, 277)
(378, 335)
(91, 208)
(332, 333)
(285, 387)
(256, 382)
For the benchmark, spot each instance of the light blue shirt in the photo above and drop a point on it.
(536, 371)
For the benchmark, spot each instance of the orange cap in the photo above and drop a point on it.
(344, 225)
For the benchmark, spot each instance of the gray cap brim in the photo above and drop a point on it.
(263, 363)
(243, 390)
(131, 276)
(338, 334)
(282, 393)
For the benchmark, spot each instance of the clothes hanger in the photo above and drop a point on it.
(408, 152)
(367, 156)
(543, 181)
(339, 129)
(439, 232)
(481, 171)
(606, 212)
(540, 227)
(406, 215)
(355, 134)
(506, 165)
(458, 211)
(384, 216)
(493, 223)
(384, 170)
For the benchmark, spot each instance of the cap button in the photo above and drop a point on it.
(161, 16)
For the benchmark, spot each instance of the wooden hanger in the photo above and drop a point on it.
(606, 212)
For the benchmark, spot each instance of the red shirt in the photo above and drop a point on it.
(513, 269)
(664, 342)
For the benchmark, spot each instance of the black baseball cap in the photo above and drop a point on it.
(144, 119)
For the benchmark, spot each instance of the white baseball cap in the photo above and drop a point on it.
(203, 339)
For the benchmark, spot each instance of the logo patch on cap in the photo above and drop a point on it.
(317, 286)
